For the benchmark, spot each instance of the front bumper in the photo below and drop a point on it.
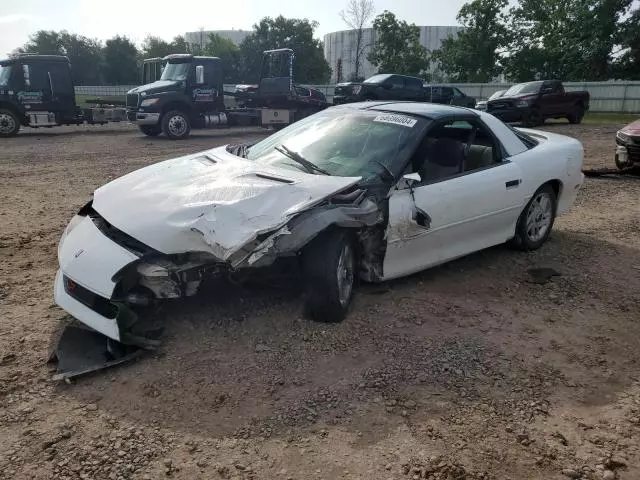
(511, 114)
(342, 99)
(89, 260)
(147, 118)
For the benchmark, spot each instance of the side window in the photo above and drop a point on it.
(396, 83)
(413, 85)
(447, 92)
(38, 77)
(60, 77)
(452, 148)
(209, 73)
(457, 93)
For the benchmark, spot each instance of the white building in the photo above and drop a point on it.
(201, 38)
(342, 45)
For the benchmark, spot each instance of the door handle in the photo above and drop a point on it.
(512, 183)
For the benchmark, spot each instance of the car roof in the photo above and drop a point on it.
(34, 58)
(422, 109)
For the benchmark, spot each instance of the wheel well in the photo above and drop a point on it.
(557, 187)
(12, 108)
(177, 105)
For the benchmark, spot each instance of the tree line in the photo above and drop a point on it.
(571, 40)
(117, 61)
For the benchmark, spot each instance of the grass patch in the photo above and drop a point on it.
(603, 118)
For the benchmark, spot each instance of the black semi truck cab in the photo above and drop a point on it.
(190, 95)
(37, 91)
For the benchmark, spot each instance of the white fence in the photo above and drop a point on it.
(618, 97)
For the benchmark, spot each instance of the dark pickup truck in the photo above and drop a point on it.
(399, 87)
(533, 102)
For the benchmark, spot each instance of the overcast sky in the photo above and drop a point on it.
(103, 19)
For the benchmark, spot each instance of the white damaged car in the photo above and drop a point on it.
(370, 191)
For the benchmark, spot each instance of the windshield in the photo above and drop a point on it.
(376, 79)
(498, 94)
(175, 71)
(5, 75)
(349, 143)
(531, 87)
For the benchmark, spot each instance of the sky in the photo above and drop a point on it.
(104, 19)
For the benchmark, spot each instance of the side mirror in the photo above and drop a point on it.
(411, 178)
(199, 74)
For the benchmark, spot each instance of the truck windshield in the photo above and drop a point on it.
(5, 75)
(377, 78)
(345, 143)
(175, 71)
(530, 87)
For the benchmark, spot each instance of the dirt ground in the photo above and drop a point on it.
(468, 371)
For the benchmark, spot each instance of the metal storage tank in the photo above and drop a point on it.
(341, 46)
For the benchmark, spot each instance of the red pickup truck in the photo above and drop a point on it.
(533, 102)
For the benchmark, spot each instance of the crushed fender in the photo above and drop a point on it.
(80, 351)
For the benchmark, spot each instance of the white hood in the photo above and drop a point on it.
(211, 201)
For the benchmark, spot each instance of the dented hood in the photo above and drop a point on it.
(212, 201)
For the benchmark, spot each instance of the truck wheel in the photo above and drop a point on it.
(329, 266)
(151, 130)
(534, 119)
(577, 116)
(9, 123)
(176, 125)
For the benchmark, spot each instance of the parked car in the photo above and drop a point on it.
(533, 102)
(380, 87)
(628, 146)
(448, 95)
(482, 104)
(372, 190)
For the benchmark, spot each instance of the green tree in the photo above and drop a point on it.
(397, 48)
(473, 55)
(627, 65)
(310, 66)
(120, 61)
(153, 47)
(228, 52)
(85, 54)
(563, 39)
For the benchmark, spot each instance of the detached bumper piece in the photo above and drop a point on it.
(80, 351)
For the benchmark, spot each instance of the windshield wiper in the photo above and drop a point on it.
(295, 156)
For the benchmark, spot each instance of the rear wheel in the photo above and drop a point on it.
(577, 115)
(176, 125)
(151, 130)
(536, 220)
(329, 266)
(9, 123)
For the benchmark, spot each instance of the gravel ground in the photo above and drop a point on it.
(467, 371)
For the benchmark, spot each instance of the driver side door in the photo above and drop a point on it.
(470, 204)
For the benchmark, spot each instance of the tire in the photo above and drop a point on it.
(577, 116)
(151, 130)
(329, 268)
(176, 125)
(9, 123)
(534, 118)
(528, 238)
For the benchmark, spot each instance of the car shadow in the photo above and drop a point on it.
(245, 362)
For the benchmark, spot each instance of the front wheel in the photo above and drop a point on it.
(329, 266)
(9, 123)
(176, 125)
(534, 118)
(151, 130)
(536, 220)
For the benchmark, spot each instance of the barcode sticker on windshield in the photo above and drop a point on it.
(396, 119)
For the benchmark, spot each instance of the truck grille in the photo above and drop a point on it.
(634, 152)
(132, 100)
(343, 90)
